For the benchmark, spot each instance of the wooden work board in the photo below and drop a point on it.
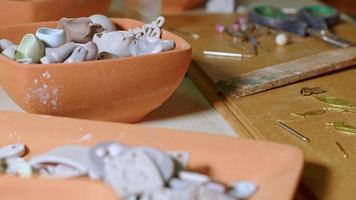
(327, 175)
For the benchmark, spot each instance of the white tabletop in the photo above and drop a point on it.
(187, 109)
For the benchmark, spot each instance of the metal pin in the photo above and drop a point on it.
(193, 35)
(346, 155)
(294, 132)
(226, 54)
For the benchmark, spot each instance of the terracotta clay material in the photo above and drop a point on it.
(122, 90)
(275, 168)
(25, 11)
(178, 6)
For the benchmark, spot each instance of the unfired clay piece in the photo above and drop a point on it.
(58, 55)
(10, 52)
(30, 48)
(132, 173)
(4, 44)
(116, 43)
(92, 49)
(51, 37)
(104, 21)
(71, 156)
(78, 55)
(79, 30)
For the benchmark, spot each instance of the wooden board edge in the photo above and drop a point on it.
(315, 63)
(219, 102)
(252, 129)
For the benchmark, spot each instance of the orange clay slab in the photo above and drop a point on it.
(122, 90)
(25, 11)
(274, 167)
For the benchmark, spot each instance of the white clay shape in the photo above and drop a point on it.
(12, 164)
(132, 173)
(93, 51)
(79, 54)
(104, 21)
(72, 156)
(207, 194)
(51, 37)
(116, 42)
(217, 187)
(24, 170)
(152, 32)
(194, 177)
(162, 160)
(167, 194)
(143, 46)
(243, 189)
(58, 55)
(10, 52)
(60, 171)
(179, 184)
(44, 60)
(15, 150)
(99, 153)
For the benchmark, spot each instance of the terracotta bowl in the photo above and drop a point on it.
(177, 6)
(25, 11)
(122, 90)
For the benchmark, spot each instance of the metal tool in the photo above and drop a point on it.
(195, 36)
(226, 54)
(294, 132)
(346, 155)
(310, 20)
(310, 91)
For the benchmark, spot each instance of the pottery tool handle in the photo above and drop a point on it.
(294, 71)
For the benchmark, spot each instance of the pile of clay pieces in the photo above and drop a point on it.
(85, 39)
(132, 172)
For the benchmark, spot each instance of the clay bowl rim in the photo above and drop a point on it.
(24, 1)
(185, 46)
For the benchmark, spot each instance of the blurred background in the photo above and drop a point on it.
(148, 9)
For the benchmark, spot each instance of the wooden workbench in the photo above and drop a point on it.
(327, 174)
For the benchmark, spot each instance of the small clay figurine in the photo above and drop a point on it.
(80, 30)
(116, 43)
(30, 48)
(51, 37)
(86, 39)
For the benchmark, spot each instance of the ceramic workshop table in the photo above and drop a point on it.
(327, 175)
